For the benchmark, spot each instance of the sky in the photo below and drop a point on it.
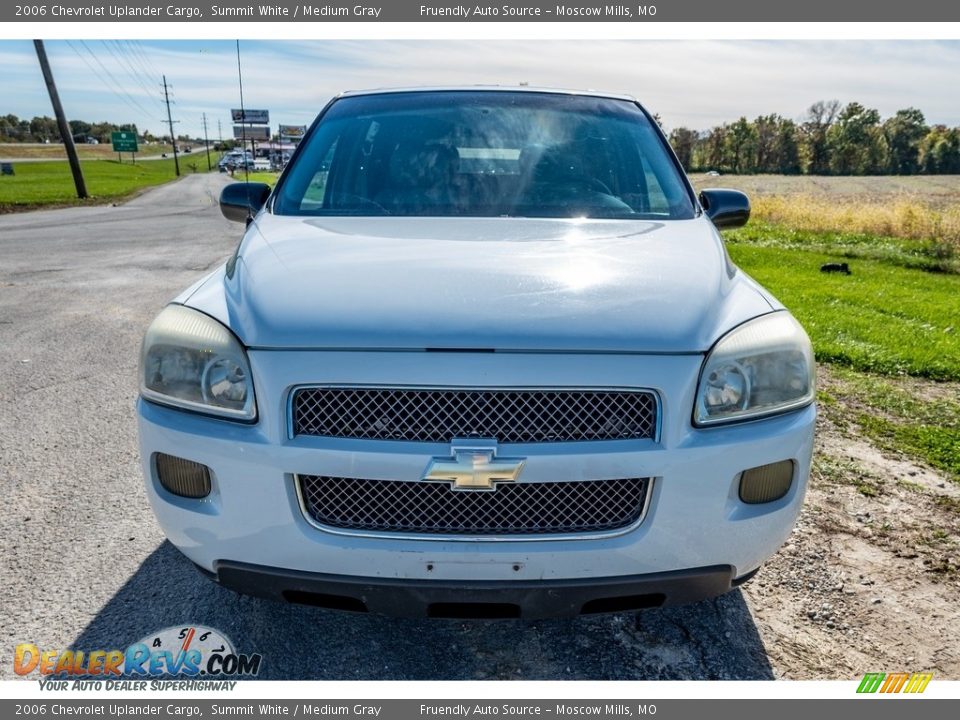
(696, 83)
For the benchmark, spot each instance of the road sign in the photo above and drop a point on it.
(124, 142)
(251, 132)
(258, 117)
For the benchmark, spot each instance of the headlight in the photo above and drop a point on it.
(762, 367)
(191, 361)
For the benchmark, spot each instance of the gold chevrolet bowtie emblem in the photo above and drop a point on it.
(474, 469)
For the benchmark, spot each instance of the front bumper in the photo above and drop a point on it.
(694, 519)
(530, 599)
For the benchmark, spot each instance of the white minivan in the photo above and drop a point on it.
(480, 353)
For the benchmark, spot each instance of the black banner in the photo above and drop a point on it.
(514, 11)
(620, 709)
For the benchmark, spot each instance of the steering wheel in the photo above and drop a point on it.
(358, 201)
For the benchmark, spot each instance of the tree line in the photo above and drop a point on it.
(44, 129)
(830, 139)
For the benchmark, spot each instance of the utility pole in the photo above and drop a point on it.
(62, 123)
(206, 141)
(173, 138)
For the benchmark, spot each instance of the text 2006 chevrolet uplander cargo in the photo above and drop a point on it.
(481, 352)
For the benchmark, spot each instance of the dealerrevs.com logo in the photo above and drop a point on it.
(190, 651)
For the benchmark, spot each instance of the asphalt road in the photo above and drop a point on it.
(84, 565)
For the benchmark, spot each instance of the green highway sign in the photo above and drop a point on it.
(124, 142)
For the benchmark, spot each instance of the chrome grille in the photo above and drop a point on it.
(526, 508)
(509, 416)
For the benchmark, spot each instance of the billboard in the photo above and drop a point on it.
(251, 132)
(293, 132)
(258, 117)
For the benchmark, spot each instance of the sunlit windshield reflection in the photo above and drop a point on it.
(485, 154)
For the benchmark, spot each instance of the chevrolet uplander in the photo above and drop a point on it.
(481, 352)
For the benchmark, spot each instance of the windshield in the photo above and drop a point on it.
(484, 154)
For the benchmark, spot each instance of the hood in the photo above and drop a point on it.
(480, 283)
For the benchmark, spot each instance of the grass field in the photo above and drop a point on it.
(936, 190)
(55, 151)
(858, 211)
(890, 327)
(882, 318)
(46, 184)
(270, 178)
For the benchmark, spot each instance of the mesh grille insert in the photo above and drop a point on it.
(509, 416)
(526, 508)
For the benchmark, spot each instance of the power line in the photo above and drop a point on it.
(118, 91)
(131, 52)
(133, 72)
(142, 50)
(114, 79)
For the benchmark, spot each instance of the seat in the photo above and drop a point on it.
(422, 177)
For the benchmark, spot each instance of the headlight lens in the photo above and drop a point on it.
(762, 367)
(190, 360)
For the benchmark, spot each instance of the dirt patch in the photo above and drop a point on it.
(868, 581)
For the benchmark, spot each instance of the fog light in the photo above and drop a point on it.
(182, 477)
(766, 483)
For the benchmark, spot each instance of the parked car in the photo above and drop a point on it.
(234, 160)
(481, 352)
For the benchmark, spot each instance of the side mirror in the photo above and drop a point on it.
(241, 201)
(727, 208)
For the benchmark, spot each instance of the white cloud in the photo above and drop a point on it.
(695, 83)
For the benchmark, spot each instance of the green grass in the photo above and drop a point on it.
(56, 151)
(50, 183)
(270, 178)
(930, 255)
(937, 446)
(892, 317)
(884, 318)
(892, 414)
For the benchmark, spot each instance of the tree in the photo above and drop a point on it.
(849, 140)
(684, 140)
(13, 129)
(768, 130)
(939, 151)
(715, 148)
(742, 146)
(79, 127)
(787, 150)
(820, 117)
(903, 133)
(43, 129)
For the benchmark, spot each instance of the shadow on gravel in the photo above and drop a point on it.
(709, 640)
